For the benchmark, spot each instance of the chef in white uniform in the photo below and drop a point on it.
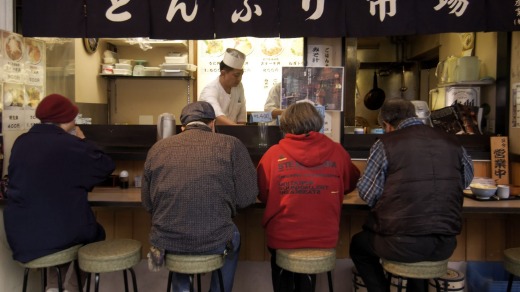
(226, 93)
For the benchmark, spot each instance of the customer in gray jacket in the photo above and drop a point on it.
(194, 182)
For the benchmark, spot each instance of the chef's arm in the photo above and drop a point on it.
(276, 112)
(223, 120)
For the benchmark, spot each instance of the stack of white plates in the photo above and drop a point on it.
(185, 67)
(179, 73)
(151, 71)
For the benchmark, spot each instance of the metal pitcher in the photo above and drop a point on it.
(165, 126)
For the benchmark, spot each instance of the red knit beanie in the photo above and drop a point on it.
(56, 108)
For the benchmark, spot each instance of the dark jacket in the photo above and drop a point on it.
(193, 184)
(423, 188)
(50, 174)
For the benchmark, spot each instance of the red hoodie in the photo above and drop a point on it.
(302, 181)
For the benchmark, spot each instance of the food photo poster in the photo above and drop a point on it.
(265, 58)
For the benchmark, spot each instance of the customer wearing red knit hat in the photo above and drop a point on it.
(51, 170)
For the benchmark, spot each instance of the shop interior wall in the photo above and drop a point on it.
(6, 15)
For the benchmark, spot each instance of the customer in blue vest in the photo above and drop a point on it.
(194, 183)
(51, 170)
(413, 185)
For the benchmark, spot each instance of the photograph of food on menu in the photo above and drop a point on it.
(13, 46)
(271, 47)
(33, 96)
(13, 95)
(34, 51)
(317, 85)
(242, 44)
(297, 47)
(214, 48)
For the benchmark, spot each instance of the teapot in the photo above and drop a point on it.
(165, 126)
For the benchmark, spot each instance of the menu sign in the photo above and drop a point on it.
(265, 58)
(23, 79)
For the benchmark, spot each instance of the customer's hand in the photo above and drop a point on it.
(79, 133)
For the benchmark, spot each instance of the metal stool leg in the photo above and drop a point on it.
(198, 283)
(399, 284)
(88, 282)
(60, 283)
(191, 283)
(221, 280)
(510, 282)
(279, 281)
(134, 279)
(96, 277)
(388, 281)
(78, 276)
(437, 285)
(25, 276)
(126, 280)
(329, 276)
(44, 278)
(170, 276)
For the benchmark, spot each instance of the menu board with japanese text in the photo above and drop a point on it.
(23, 80)
(265, 58)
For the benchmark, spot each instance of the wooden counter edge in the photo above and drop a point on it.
(117, 197)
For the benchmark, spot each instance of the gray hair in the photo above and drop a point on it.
(301, 118)
(396, 110)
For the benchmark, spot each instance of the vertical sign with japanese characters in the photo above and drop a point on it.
(499, 159)
(319, 56)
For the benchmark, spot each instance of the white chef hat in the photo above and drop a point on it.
(234, 58)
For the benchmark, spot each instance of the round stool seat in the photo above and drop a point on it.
(109, 255)
(61, 257)
(419, 270)
(193, 264)
(306, 260)
(512, 260)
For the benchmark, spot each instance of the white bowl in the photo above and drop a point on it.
(483, 191)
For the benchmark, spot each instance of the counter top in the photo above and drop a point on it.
(131, 197)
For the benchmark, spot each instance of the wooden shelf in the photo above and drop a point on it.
(469, 83)
(180, 45)
(146, 77)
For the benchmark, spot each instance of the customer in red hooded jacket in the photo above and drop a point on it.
(302, 181)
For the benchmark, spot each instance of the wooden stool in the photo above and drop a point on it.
(512, 265)
(110, 256)
(308, 261)
(53, 260)
(419, 270)
(194, 265)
